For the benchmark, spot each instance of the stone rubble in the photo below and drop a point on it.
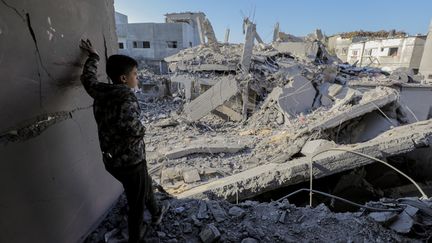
(231, 121)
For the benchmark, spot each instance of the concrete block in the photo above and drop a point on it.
(405, 220)
(210, 234)
(203, 148)
(227, 113)
(399, 140)
(297, 97)
(211, 99)
(218, 212)
(313, 146)
(236, 211)
(191, 176)
(358, 110)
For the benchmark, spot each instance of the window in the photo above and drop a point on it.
(344, 51)
(141, 44)
(146, 44)
(430, 76)
(121, 45)
(393, 51)
(355, 53)
(190, 44)
(172, 44)
(368, 52)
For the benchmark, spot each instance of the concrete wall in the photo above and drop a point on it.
(193, 18)
(426, 61)
(53, 183)
(121, 18)
(339, 46)
(157, 34)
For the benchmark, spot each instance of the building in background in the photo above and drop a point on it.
(150, 43)
(388, 50)
(388, 54)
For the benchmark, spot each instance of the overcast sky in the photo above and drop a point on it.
(298, 17)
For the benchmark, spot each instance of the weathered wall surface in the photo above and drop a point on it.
(52, 181)
(426, 61)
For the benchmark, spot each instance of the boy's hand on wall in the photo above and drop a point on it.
(86, 45)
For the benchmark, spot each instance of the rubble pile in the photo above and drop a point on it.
(241, 120)
(192, 220)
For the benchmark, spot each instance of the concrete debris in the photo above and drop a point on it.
(297, 97)
(314, 146)
(203, 147)
(191, 176)
(242, 120)
(219, 213)
(415, 212)
(211, 99)
(270, 176)
(301, 224)
(210, 234)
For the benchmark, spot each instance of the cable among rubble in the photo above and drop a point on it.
(341, 199)
(424, 196)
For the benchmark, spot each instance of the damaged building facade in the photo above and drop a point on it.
(242, 131)
(249, 121)
(388, 54)
(386, 50)
(150, 43)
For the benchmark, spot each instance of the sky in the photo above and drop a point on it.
(298, 17)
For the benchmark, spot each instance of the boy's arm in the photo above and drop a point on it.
(89, 75)
(130, 118)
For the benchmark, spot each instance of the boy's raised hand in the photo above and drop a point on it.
(86, 45)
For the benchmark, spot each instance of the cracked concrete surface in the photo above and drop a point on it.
(51, 167)
(270, 176)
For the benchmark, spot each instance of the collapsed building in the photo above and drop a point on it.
(240, 121)
(254, 120)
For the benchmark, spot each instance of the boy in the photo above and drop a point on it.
(121, 134)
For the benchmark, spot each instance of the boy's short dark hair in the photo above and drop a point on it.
(118, 65)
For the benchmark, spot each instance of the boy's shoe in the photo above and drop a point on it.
(157, 219)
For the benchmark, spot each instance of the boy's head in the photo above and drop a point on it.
(122, 69)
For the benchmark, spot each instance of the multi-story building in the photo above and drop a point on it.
(150, 43)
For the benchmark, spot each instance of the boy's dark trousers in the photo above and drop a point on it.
(137, 184)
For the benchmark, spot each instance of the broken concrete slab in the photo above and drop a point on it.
(191, 176)
(227, 113)
(203, 148)
(297, 97)
(371, 125)
(270, 176)
(313, 146)
(366, 105)
(211, 99)
(210, 234)
(383, 217)
(306, 50)
(405, 220)
(236, 211)
(218, 212)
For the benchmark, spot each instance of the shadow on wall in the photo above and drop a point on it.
(51, 171)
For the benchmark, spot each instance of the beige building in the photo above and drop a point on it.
(426, 62)
(388, 54)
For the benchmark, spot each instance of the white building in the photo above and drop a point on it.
(388, 54)
(152, 42)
